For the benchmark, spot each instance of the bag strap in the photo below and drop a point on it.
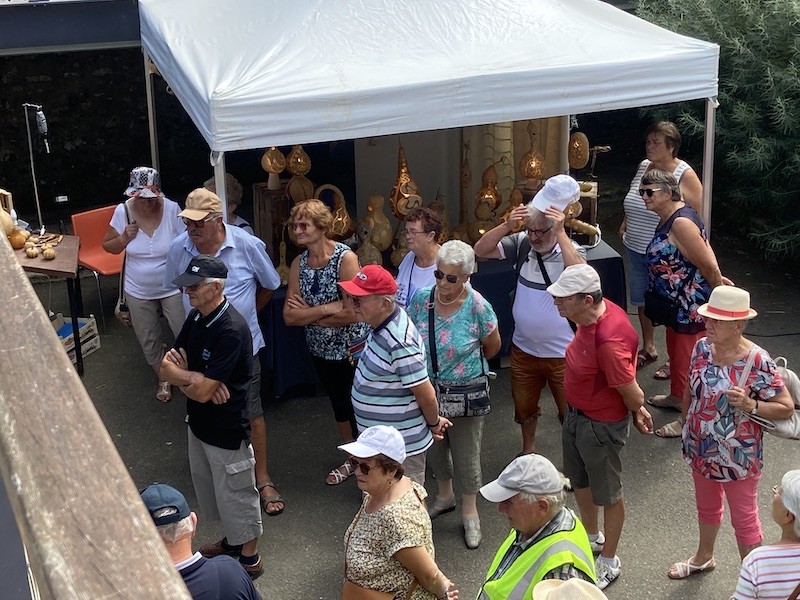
(548, 283)
(748, 366)
(125, 258)
(432, 332)
(795, 593)
(523, 251)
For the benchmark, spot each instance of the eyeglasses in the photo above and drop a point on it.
(197, 285)
(198, 224)
(301, 226)
(359, 300)
(412, 232)
(648, 192)
(539, 232)
(450, 278)
(357, 464)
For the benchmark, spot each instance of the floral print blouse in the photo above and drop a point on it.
(321, 286)
(458, 336)
(373, 539)
(719, 442)
(673, 276)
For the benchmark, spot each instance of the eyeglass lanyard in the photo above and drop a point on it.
(547, 282)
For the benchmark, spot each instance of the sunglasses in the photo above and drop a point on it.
(198, 224)
(647, 192)
(450, 278)
(357, 464)
(539, 232)
(300, 226)
(359, 300)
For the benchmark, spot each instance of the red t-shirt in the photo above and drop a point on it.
(602, 355)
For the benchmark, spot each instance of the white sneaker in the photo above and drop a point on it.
(597, 545)
(606, 574)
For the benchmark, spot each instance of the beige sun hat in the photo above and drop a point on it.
(571, 589)
(728, 303)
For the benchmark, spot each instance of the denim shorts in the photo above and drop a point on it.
(638, 274)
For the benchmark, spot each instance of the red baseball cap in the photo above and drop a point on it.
(371, 279)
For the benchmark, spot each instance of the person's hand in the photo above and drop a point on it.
(452, 592)
(557, 216)
(443, 425)
(643, 421)
(737, 397)
(130, 231)
(520, 213)
(178, 358)
(297, 301)
(221, 394)
(726, 281)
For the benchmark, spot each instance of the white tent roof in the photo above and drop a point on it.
(258, 73)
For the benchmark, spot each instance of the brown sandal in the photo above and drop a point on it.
(164, 392)
(275, 498)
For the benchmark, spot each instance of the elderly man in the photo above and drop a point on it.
(212, 362)
(251, 282)
(218, 578)
(547, 541)
(391, 385)
(540, 338)
(601, 389)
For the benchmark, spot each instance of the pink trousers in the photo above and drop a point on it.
(742, 498)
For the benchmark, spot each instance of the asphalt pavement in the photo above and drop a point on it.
(303, 547)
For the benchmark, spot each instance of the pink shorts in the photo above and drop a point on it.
(742, 498)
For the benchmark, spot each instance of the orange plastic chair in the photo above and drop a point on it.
(91, 227)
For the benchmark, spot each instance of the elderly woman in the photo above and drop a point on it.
(313, 300)
(662, 142)
(233, 199)
(422, 229)
(465, 334)
(682, 272)
(143, 226)
(389, 545)
(730, 378)
(774, 571)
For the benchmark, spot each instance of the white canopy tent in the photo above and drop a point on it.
(260, 73)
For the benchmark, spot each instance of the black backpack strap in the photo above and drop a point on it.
(432, 333)
(523, 251)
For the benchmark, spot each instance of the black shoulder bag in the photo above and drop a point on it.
(468, 398)
(548, 283)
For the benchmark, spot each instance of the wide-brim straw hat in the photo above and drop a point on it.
(728, 303)
(571, 589)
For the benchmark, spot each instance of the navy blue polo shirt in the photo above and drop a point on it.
(218, 578)
(220, 347)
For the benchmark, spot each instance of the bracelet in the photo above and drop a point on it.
(434, 425)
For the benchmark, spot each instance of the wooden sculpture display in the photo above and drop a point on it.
(572, 212)
(460, 231)
(404, 186)
(578, 150)
(381, 236)
(514, 200)
(400, 247)
(298, 164)
(283, 268)
(439, 207)
(487, 200)
(342, 226)
(367, 253)
(531, 165)
(274, 163)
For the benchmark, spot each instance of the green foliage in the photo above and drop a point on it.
(758, 120)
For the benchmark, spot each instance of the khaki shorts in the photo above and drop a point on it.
(591, 452)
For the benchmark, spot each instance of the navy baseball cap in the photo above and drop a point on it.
(200, 268)
(161, 495)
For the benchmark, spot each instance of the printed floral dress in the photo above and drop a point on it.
(719, 442)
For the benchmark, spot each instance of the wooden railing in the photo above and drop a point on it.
(87, 534)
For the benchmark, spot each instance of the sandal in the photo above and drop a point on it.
(663, 373)
(685, 568)
(340, 474)
(644, 358)
(672, 429)
(164, 392)
(663, 401)
(275, 498)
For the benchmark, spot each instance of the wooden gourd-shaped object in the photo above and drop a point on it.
(404, 186)
(367, 253)
(283, 268)
(487, 200)
(578, 150)
(531, 165)
(342, 226)
(400, 246)
(514, 200)
(299, 187)
(273, 162)
(460, 231)
(381, 236)
(438, 206)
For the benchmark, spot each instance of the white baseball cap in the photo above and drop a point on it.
(379, 439)
(790, 492)
(576, 279)
(559, 191)
(531, 473)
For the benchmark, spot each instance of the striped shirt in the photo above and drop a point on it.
(393, 361)
(641, 223)
(769, 572)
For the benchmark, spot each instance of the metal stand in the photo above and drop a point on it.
(25, 108)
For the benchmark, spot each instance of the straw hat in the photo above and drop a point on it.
(728, 303)
(571, 589)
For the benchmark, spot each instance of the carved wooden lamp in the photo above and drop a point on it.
(273, 162)
(531, 165)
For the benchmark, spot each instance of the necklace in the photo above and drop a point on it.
(453, 301)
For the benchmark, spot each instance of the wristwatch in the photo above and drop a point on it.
(755, 409)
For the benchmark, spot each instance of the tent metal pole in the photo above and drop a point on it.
(151, 111)
(218, 162)
(708, 160)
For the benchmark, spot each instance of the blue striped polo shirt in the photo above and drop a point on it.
(393, 361)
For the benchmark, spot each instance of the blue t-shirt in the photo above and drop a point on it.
(218, 578)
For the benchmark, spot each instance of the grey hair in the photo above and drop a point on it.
(597, 296)
(534, 214)
(458, 254)
(391, 298)
(664, 180)
(218, 280)
(556, 501)
(172, 532)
